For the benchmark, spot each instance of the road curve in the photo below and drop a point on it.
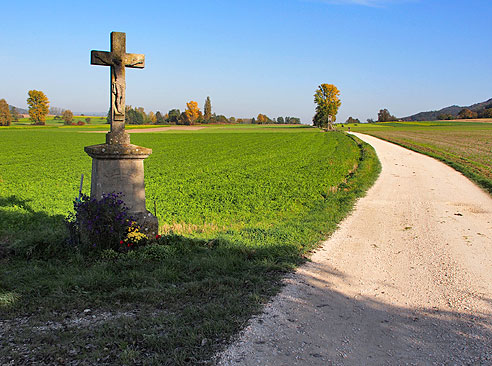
(405, 280)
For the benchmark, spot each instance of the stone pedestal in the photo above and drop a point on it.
(119, 168)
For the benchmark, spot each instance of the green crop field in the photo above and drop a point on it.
(51, 121)
(465, 146)
(238, 206)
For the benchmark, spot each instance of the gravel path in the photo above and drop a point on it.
(406, 280)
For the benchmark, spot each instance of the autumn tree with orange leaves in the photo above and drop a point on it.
(192, 113)
(327, 99)
(38, 106)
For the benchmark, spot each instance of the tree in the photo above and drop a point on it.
(262, 119)
(352, 120)
(134, 116)
(207, 109)
(38, 106)
(384, 116)
(67, 116)
(173, 116)
(232, 119)
(159, 119)
(15, 114)
(152, 118)
(280, 120)
(370, 120)
(292, 120)
(221, 119)
(5, 117)
(445, 116)
(466, 113)
(486, 113)
(327, 99)
(191, 113)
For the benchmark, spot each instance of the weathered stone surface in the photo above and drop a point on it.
(117, 59)
(112, 151)
(117, 165)
(120, 168)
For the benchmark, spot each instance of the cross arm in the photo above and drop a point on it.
(135, 60)
(102, 58)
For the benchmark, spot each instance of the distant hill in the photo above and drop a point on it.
(19, 110)
(452, 110)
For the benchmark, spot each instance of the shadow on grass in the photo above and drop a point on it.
(26, 232)
(175, 302)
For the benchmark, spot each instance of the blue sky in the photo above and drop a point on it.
(253, 56)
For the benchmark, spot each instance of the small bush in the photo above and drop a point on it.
(103, 224)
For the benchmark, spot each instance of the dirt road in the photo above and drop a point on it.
(406, 280)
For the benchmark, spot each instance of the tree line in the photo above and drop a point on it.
(467, 113)
(39, 108)
(192, 115)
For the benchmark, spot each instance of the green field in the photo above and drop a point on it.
(238, 206)
(51, 121)
(465, 146)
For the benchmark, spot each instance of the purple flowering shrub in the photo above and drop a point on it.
(99, 224)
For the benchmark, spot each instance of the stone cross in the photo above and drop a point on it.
(117, 165)
(117, 59)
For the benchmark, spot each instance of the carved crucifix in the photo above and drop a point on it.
(117, 59)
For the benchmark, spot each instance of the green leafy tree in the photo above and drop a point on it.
(159, 118)
(134, 116)
(67, 116)
(5, 117)
(38, 106)
(327, 99)
(352, 120)
(385, 116)
(173, 116)
(280, 120)
(207, 109)
(292, 120)
(221, 119)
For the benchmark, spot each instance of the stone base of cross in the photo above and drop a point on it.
(117, 165)
(119, 168)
